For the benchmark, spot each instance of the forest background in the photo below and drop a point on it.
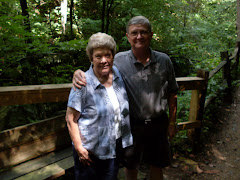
(44, 41)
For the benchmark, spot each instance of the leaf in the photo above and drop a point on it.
(230, 165)
(192, 163)
(211, 165)
(217, 154)
(211, 171)
(199, 170)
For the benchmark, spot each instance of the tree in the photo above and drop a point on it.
(25, 14)
(106, 15)
(238, 21)
(64, 15)
(71, 18)
(109, 7)
(103, 15)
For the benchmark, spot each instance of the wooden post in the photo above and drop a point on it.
(197, 110)
(226, 68)
(237, 56)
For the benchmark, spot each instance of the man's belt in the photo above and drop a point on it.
(160, 119)
(147, 122)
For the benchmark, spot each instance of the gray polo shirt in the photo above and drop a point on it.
(147, 86)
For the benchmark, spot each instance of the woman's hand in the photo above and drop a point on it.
(83, 155)
(79, 79)
(72, 117)
(172, 130)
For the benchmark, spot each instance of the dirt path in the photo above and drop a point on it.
(220, 155)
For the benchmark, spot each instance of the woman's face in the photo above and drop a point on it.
(102, 61)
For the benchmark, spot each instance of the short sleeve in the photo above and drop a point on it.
(76, 99)
(173, 86)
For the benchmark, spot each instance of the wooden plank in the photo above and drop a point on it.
(30, 132)
(188, 125)
(203, 93)
(49, 172)
(194, 105)
(36, 164)
(190, 83)
(33, 149)
(18, 95)
(194, 134)
(218, 68)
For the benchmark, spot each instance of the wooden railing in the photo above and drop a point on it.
(51, 134)
(31, 94)
(24, 144)
(228, 67)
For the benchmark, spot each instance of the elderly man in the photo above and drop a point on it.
(151, 86)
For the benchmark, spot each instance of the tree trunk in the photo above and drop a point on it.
(103, 14)
(238, 20)
(64, 15)
(71, 18)
(109, 6)
(25, 13)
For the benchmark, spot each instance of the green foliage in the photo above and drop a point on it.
(184, 98)
(13, 116)
(72, 45)
(192, 32)
(90, 27)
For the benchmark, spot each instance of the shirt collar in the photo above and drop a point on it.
(94, 80)
(152, 58)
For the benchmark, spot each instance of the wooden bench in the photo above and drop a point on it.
(39, 150)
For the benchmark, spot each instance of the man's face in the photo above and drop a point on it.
(139, 37)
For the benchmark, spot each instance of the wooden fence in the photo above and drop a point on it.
(228, 67)
(50, 135)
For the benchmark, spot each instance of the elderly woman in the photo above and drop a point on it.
(98, 114)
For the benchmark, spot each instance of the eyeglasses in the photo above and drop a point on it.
(142, 33)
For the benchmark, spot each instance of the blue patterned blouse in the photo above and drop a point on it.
(96, 122)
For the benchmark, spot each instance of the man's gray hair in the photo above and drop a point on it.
(139, 20)
(100, 40)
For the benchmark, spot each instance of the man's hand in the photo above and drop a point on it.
(172, 101)
(79, 79)
(172, 130)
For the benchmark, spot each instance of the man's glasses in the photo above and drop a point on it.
(142, 33)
